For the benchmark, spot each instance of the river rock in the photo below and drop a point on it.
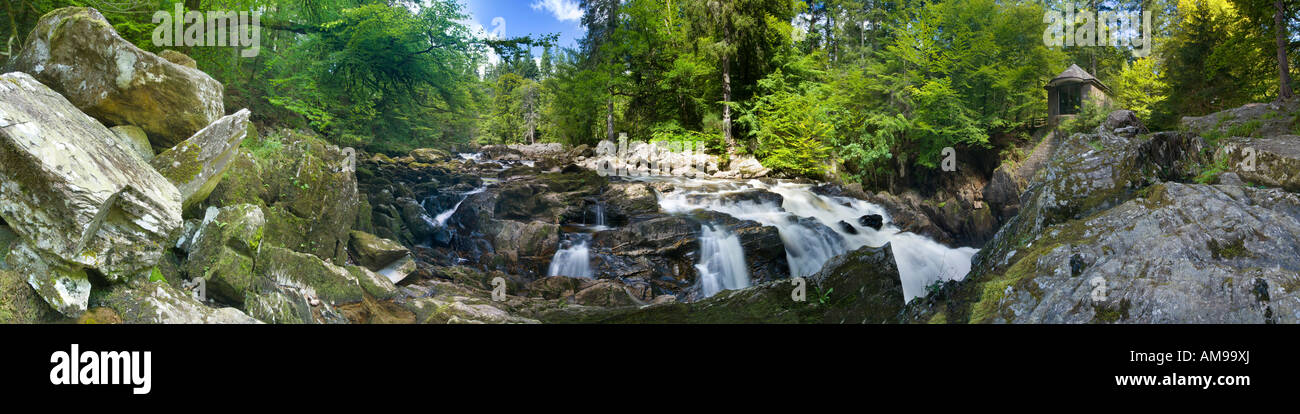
(874, 221)
(862, 286)
(332, 284)
(78, 196)
(375, 253)
(196, 165)
(430, 155)
(624, 200)
(76, 52)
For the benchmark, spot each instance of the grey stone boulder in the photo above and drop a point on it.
(76, 52)
(77, 196)
(373, 252)
(1273, 161)
(1124, 122)
(1160, 259)
(197, 165)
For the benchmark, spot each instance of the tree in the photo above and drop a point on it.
(744, 32)
(1217, 60)
(1270, 16)
(1140, 88)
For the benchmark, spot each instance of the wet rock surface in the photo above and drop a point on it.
(860, 287)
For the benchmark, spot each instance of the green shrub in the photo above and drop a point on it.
(1087, 120)
(1245, 129)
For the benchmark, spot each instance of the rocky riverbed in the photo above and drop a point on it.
(170, 210)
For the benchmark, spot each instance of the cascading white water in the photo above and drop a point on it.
(722, 261)
(573, 261)
(598, 211)
(920, 261)
(441, 219)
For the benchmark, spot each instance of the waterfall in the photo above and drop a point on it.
(813, 229)
(575, 260)
(441, 219)
(722, 261)
(598, 213)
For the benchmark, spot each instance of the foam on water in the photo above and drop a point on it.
(809, 225)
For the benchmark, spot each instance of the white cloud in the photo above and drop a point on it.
(564, 10)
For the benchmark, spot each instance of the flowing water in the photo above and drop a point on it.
(574, 260)
(814, 229)
(722, 261)
(810, 226)
(598, 216)
(441, 219)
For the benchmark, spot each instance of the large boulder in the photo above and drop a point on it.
(76, 52)
(197, 165)
(623, 200)
(1273, 161)
(375, 253)
(315, 183)
(224, 249)
(1107, 210)
(78, 197)
(1157, 258)
(333, 284)
(241, 184)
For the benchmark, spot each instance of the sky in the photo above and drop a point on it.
(527, 17)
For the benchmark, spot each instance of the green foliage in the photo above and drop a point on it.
(1140, 88)
(1245, 129)
(156, 275)
(1090, 117)
(263, 147)
(671, 132)
(1219, 60)
(1210, 173)
(792, 126)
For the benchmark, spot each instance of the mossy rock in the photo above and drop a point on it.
(333, 284)
(100, 316)
(311, 189)
(224, 249)
(373, 252)
(20, 304)
(242, 183)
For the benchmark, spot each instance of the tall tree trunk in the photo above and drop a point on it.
(1283, 66)
(609, 117)
(726, 106)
